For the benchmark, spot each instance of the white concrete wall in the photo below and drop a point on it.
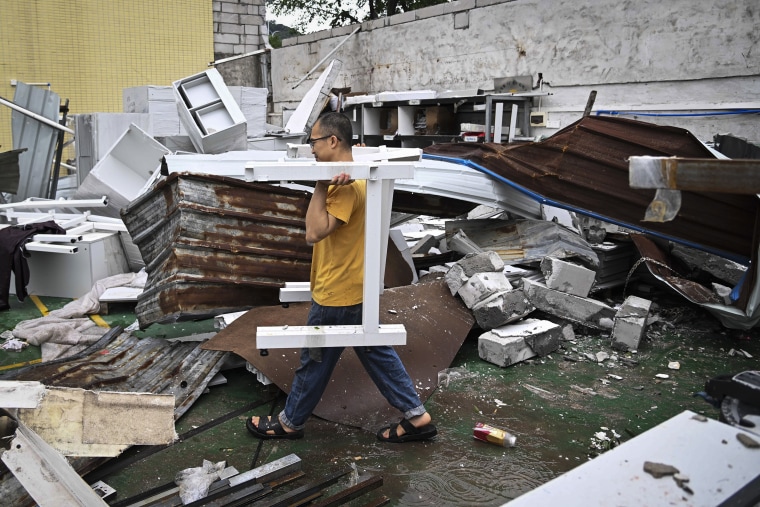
(648, 56)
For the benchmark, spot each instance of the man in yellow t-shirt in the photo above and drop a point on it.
(335, 227)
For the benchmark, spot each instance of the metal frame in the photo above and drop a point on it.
(76, 224)
(380, 177)
(44, 472)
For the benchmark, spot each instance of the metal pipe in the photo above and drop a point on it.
(36, 116)
(229, 59)
(328, 55)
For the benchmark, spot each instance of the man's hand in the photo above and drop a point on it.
(341, 179)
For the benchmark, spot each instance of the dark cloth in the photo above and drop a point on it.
(13, 256)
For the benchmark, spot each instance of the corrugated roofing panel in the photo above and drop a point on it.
(213, 244)
(121, 362)
(40, 139)
(584, 167)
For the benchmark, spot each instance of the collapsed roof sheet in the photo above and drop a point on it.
(584, 167)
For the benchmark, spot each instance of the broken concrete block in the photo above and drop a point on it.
(585, 311)
(460, 243)
(513, 343)
(723, 292)
(567, 277)
(481, 262)
(501, 308)
(543, 336)
(482, 285)
(424, 245)
(568, 334)
(630, 323)
(455, 278)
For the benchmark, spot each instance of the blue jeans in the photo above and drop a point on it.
(381, 362)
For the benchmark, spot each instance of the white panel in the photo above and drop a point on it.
(708, 452)
(20, 394)
(293, 337)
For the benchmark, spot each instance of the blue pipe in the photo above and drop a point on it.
(719, 113)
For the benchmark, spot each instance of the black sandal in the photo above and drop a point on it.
(411, 434)
(269, 423)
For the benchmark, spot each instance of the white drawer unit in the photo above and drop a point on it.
(209, 113)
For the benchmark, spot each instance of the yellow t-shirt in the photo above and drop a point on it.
(337, 263)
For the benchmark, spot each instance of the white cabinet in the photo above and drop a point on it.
(98, 256)
(210, 114)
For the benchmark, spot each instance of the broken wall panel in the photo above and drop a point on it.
(584, 167)
(77, 422)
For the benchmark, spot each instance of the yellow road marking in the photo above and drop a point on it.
(97, 319)
(19, 365)
(40, 306)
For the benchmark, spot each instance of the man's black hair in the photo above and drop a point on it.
(336, 124)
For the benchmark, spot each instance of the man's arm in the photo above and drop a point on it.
(319, 223)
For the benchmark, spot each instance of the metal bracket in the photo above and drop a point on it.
(45, 473)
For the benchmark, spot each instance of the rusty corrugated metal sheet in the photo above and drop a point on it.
(584, 167)
(120, 362)
(124, 363)
(660, 266)
(214, 245)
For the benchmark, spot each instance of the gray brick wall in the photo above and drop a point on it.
(233, 21)
(237, 25)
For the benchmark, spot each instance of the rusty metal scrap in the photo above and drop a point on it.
(121, 362)
(124, 363)
(585, 168)
(213, 245)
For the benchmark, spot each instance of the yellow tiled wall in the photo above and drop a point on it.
(90, 50)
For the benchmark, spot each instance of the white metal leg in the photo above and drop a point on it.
(379, 176)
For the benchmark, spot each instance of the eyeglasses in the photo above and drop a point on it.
(313, 141)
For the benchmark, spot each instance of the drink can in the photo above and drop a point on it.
(493, 435)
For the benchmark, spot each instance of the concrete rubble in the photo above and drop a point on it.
(501, 309)
(630, 323)
(517, 342)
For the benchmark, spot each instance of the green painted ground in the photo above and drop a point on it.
(564, 409)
